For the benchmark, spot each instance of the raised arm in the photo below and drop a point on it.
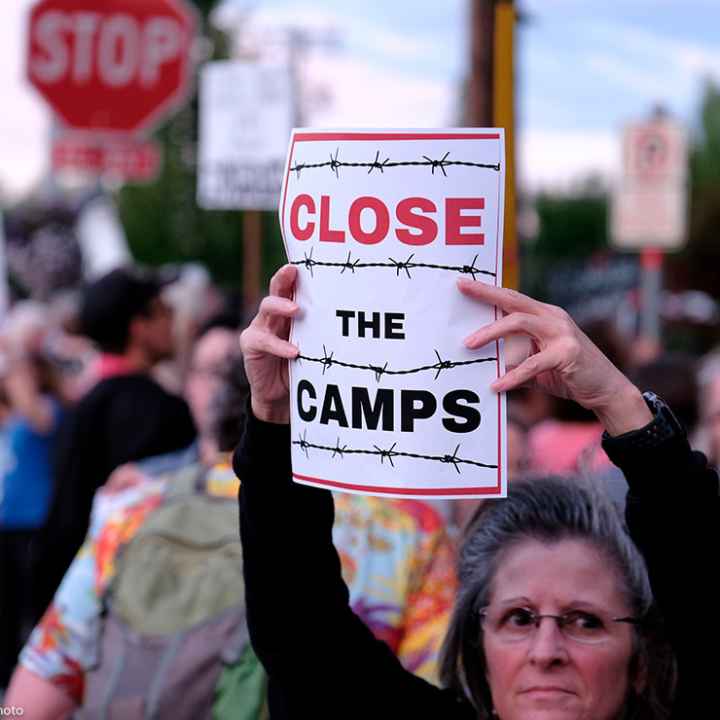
(673, 507)
(321, 659)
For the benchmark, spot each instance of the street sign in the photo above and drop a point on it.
(129, 160)
(650, 203)
(246, 114)
(118, 65)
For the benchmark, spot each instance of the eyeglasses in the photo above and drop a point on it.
(517, 624)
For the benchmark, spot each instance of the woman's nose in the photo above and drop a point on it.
(548, 644)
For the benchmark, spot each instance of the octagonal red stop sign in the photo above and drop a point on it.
(115, 65)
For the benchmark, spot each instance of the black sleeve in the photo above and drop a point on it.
(121, 420)
(66, 524)
(672, 514)
(142, 420)
(322, 661)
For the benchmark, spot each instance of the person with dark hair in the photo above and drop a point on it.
(213, 347)
(125, 417)
(673, 375)
(555, 618)
(60, 669)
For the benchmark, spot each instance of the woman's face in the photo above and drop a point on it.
(539, 673)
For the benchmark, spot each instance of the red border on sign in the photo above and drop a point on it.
(369, 136)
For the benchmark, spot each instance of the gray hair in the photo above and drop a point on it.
(550, 510)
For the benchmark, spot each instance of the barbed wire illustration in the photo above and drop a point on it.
(328, 361)
(388, 453)
(334, 163)
(398, 265)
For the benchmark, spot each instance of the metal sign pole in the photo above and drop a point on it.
(651, 289)
(504, 117)
(252, 259)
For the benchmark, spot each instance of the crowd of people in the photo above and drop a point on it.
(126, 592)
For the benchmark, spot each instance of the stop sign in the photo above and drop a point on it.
(115, 65)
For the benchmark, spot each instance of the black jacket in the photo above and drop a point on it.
(323, 662)
(122, 419)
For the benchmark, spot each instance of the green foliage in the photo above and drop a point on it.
(162, 220)
(205, 6)
(571, 227)
(705, 177)
(697, 266)
(705, 155)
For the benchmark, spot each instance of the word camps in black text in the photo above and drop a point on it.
(360, 408)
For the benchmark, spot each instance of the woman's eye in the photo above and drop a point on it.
(583, 621)
(519, 617)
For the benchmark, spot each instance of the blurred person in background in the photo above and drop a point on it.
(214, 345)
(124, 417)
(672, 377)
(568, 442)
(395, 554)
(518, 459)
(195, 301)
(31, 415)
(708, 382)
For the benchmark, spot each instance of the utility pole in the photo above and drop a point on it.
(491, 102)
(298, 42)
(480, 90)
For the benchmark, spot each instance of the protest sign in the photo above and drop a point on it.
(246, 112)
(385, 398)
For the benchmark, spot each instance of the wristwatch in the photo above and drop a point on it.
(660, 429)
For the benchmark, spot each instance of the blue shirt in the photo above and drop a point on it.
(26, 476)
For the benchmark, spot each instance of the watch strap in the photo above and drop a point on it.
(663, 427)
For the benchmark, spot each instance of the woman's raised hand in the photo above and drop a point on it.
(266, 349)
(558, 358)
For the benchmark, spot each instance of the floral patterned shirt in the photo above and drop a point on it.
(397, 561)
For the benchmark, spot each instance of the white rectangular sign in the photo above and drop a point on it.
(246, 114)
(385, 398)
(649, 208)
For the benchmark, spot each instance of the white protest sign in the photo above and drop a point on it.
(246, 113)
(385, 398)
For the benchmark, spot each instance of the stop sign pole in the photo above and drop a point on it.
(116, 66)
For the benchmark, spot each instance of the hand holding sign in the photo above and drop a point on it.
(559, 358)
(383, 398)
(564, 361)
(266, 349)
